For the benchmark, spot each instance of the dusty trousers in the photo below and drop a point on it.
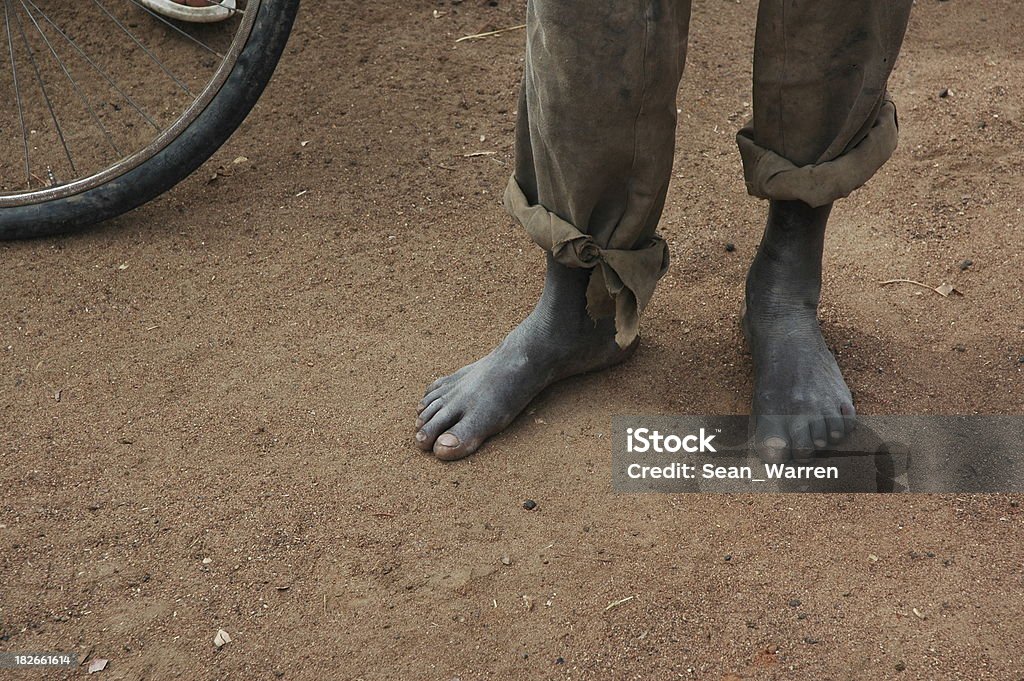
(597, 117)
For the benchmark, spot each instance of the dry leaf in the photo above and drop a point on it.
(221, 639)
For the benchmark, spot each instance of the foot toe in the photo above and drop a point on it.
(436, 384)
(771, 439)
(835, 426)
(819, 433)
(430, 397)
(456, 443)
(428, 433)
(849, 416)
(447, 380)
(429, 412)
(800, 438)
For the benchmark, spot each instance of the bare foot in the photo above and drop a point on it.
(557, 340)
(801, 402)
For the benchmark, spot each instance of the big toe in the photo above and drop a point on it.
(456, 443)
(771, 439)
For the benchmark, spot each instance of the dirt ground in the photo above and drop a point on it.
(207, 405)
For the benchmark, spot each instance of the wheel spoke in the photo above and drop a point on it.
(96, 68)
(74, 84)
(46, 94)
(144, 49)
(17, 92)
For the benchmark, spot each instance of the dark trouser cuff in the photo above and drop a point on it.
(770, 176)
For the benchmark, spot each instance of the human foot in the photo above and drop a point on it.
(557, 340)
(801, 402)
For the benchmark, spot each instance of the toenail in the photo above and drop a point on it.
(835, 435)
(819, 443)
(448, 440)
(775, 443)
(419, 423)
(421, 436)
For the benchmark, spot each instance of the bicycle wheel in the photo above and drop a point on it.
(114, 103)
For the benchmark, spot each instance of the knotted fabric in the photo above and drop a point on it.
(622, 281)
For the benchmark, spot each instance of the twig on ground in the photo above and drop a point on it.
(615, 604)
(943, 290)
(477, 36)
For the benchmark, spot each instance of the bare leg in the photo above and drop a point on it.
(800, 401)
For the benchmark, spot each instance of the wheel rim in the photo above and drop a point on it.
(100, 87)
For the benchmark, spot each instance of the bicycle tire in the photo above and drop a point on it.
(182, 156)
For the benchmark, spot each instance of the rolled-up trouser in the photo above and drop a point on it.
(597, 114)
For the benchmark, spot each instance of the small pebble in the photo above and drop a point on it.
(559, 660)
(728, 557)
(966, 264)
(529, 504)
(944, 92)
(959, 348)
(802, 616)
(505, 560)
(730, 247)
(811, 640)
(900, 666)
(794, 603)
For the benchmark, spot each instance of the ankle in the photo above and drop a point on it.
(786, 271)
(563, 302)
(797, 216)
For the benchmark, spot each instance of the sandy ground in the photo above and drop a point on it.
(207, 405)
